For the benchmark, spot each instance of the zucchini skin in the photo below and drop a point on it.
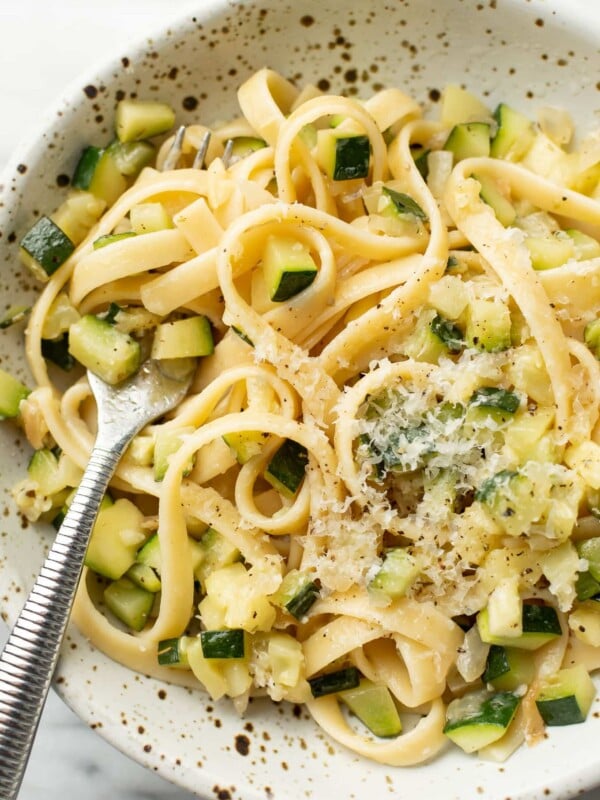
(332, 682)
(223, 644)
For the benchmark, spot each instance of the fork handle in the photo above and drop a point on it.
(29, 657)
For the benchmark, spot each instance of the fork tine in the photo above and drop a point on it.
(200, 156)
(174, 153)
(227, 153)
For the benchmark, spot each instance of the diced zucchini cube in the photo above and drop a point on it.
(343, 156)
(245, 444)
(218, 552)
(116, 538)
(508, 668)
(374, 706)
(149, 554)
(149, 217)
(166, 442)
(132, 157)
(490, 193)
(138, 119)
(479, 718)
(78, 214)
(229, 643)
(333, 682)
(286, 469)
(586, 246)
(185, 338)
(488, 325)
(144, 577)
(469, 140)
(45, 247)
(590, 550)
(566, 697)
(111, 238)
(395, 576)
(173, 652)
(591, 336)
(86, 166)
(129, 603)
(460, 105)
(107, 182)
(549, 252)
(297, 593)
(540, 625)
(514, 135)
(288, 267)
(12, 392)
(107, 352)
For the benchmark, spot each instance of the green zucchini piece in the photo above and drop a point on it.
(590, 550)
(301, 602)
(586, 586)
(107, 182)
(540, 626)
(129, 603)
(144, 577)
(109, 238)
(333, 682)
(229, 643)
(242, 336)
(12, 392)
(424, 343)
(57, 351)
(86, 166)
(508, 668)
(116, 537)
(245, 444)
(343, 156)
(243, 146)
(286, 469)
(420, 158)
(548, 252)
(184, 338)
(488, 326)
(103, 349)
(45, 471)
(13, 315)
(45, 247)
(586, 247)
(217, 552)
(374, 706)
(288, 267)
(479, 718)
(469, 140)
(448, 333)
(591, 336)
(149, 554)
(488, 490)
(490, 193)
(566, 698)
(131, 157)
(173, 652)
(166, 442)
(514, 135)
(402, 204)
(139, 119)
(494, 399)
(149, 218)
(395, 576)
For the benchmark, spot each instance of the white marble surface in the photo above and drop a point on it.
(43, 46)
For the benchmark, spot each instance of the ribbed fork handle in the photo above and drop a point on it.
(31, 652)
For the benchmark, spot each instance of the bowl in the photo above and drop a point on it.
(527, 53)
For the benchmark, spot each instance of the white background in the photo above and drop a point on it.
(44, 46)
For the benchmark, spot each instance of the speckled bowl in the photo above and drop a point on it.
(528, 53)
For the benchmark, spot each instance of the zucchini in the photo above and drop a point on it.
(548, 252)
(166, 442)
(116, 537)
(420, 155)
(107, 181)
(490, 193)
(343, 156)
(57, 351)
(374, 706)
(13, 315)
(129, 603)
(288, 267)
(45, 247)
(479, 718)
(86, 166)
(245, 444)
(45, 470)
(173, 652)
(131, 157)
(586, 247)
(12, 392)
(448, 333)
(590, 550)
(242, 146)
(109, 238)
(149, 554)
(508, 668)
(469, 140)
(185, 338)
(297, 593)
(400, 204)
(591, 336)
(78, 214)
(493, 402)
(566, 697)
(100, 347)
(223, 644)
(540, 625)
(149, 217)
(514, 134)
(144, 577)
(460, 105)
(395, 576)
(286, 469)
(333, 682)
(425, 343)
(488, 325)
(217, 552)
(138, 119)
(586, 586)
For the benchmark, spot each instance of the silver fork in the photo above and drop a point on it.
(176, 148)
(31, 652)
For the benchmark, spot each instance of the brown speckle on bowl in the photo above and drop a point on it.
(242, 744)
(90, 91)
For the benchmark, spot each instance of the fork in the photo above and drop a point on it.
(31, 652)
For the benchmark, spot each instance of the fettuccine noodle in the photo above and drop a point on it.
(429, 372)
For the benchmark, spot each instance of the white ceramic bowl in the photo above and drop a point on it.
(528, 53)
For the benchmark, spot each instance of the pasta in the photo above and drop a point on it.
(428, 393)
